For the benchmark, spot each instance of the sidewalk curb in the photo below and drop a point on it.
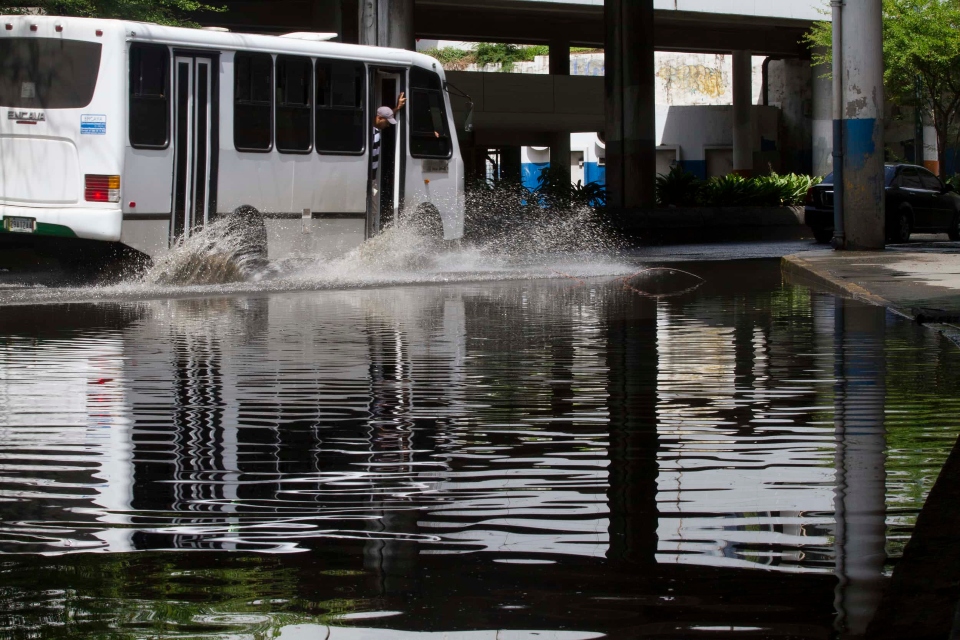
(804, 272)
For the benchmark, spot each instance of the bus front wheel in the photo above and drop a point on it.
(427, 222)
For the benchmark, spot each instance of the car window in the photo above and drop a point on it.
(909, 178)
(930, 181)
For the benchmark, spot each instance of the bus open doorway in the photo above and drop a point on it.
(386, 196)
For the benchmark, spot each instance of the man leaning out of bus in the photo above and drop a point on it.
(383, 119)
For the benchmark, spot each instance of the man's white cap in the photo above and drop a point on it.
(387, 114)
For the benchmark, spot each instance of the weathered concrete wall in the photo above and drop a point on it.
(681, 78)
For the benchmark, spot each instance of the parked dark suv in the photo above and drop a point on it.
(916, 202)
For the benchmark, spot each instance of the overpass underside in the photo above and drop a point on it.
(516, 21)
(629, 31)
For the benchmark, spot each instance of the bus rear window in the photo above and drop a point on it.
(48, 73)
(149, 95)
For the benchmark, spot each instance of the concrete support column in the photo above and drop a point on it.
(742, 112)
(511, 164)
(350, 21)
(387, 23)
(795, 114)
(560, 157)
(862, 86)
(822, 119)
(326, 16)
(631, 128)
(559, 58)
(560, 141)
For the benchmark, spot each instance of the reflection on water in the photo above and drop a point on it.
(542, 455)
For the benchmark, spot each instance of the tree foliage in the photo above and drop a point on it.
(491, 53)
(170, 12)
(920, 38)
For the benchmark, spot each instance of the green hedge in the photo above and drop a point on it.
(683, 189)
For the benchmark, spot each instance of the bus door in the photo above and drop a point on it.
(386, 86)
(196, 139)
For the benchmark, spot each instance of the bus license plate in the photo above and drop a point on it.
(20, 225)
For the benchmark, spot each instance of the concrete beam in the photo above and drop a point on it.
(582, 25)
(545, 104)
(524, 22)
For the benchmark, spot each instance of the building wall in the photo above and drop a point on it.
(695, 137)
(682, 78)
(694, 115)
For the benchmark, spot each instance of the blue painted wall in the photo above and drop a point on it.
(696, 167)
(593, 172)
(530, 173)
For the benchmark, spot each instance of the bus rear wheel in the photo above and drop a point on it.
(427, 222)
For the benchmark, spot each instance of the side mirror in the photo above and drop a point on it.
(948, 188)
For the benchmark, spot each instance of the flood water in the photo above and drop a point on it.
(563, 458)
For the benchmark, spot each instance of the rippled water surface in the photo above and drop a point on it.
(559, 458)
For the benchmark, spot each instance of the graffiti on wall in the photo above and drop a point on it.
(590, 65)
(710, 81)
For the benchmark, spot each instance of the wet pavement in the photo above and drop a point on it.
(920, 279)
(565, 451)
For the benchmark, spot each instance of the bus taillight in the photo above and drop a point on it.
(101, 188)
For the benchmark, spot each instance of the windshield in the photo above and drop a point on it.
(888, 174)
(48, 73)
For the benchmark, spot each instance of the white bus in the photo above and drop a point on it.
(140, 134)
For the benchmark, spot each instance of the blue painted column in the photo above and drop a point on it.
(862, 92)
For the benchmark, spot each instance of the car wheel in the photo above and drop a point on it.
(822, 236)
(901, 232)
(954, 230)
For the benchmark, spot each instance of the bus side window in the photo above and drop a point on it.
(429, 132)
(341, 127)
(294, 92)
(149, 96)
(252, 102)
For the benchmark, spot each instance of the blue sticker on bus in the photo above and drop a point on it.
(93, 125)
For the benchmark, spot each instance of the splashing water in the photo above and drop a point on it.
(229, 256)
(233, 250)
(230, 249)
(545, 245)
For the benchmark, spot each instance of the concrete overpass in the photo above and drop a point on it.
(708, 26)
(628, 30)
(679, 25)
